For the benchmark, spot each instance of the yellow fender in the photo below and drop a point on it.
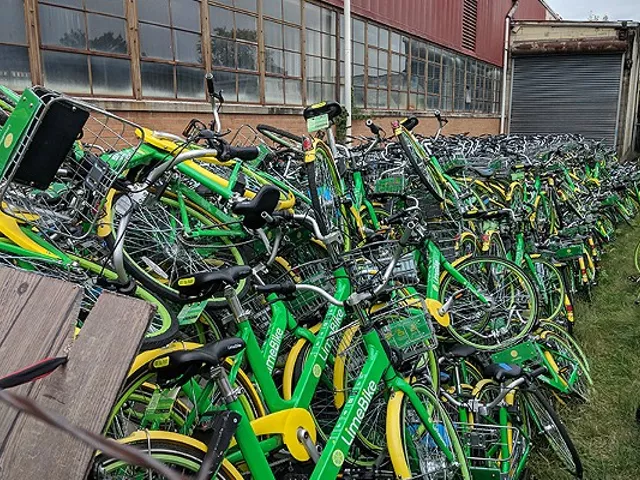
(287, 374)
(481, 384)
(339, 370)
(105, 223)
(287, 423)
(486, 239)
(9, 228)
(394, 436)
(512, 189)
(229, 469)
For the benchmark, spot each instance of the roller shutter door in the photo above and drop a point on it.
(567, 94)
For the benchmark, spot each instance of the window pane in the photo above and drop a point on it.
(328, 70)
(246, 27)
(313, 42)
(328, 92)
(312, 16)
(247, 5)
(328, 46)
(272, 8)
(188, 46)
(224, 53)
(66, 72)
(328, 21)
(190, 82)
(221, 21)
(358, 97)
(12, 22)
(398, 100)
(314, 92)
(157, 80)
(372, 35)
(248, 90)
(293, 91)
(14, 67)
(273, 34)
(111, 76)
(373, 58)
(293, 64)
(292, 13)
(358, 53)
(107, 34)
(185, 14)
(114, 7)
(59, 26)
(384, 39)
(155, 42)
(226, 81)
(274, 61)
(358, 31)
(382, 59)
(292, 38)
(154, 11)
(314, 68)
(70, 3)
(247, 56)
(274, 90)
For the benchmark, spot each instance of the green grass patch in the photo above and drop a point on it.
(608, 329)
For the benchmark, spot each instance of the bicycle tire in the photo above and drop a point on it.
(173, 450)
(162, 249)
(551, 299)
(421, 167)
(405, 452)
(274, 134)
(520, 289)
(539, 406)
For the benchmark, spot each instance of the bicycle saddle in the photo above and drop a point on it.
(502, 213)
(461, 351)
(503, 371)
(266, 200)
(484, 172)
(204, 284)
(332, 109)
(410, 123)
(184, 364)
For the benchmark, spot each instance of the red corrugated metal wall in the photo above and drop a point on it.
(440, 21)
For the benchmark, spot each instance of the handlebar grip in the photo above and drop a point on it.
(373, 127)
(410, 123)
(538, 371)
(284, 288)
(437, 114)
(243, 153)
(210, 88)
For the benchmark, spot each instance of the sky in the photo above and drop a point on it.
(580, 9)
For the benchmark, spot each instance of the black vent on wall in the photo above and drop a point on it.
(469, 23)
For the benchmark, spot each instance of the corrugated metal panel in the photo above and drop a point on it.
(567, 94)
(469, 24)
(440, 21)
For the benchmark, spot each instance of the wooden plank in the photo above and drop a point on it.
(37, 321)
(83, 391)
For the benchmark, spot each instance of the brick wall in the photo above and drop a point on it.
(175, 122)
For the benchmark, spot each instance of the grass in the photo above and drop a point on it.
(608, 328)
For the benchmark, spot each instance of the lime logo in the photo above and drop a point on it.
(514, 353)
(338, 458)
(8, 140)
(317, 371)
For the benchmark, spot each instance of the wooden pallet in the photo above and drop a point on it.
(37, 320)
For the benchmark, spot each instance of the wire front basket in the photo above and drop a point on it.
(59, 165)
(488, 446)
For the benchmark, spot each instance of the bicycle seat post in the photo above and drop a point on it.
(239, 314)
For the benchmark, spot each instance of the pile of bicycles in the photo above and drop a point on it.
(388, 307)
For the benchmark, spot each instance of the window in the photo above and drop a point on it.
(448, 76)
(14, 56)
(321, 50)
(417, 84)
(234, 47)
(171, 64)
(357, 61)
(377, 66)
(283, 56)
(399, 81)
(84, 47)
(434, 78)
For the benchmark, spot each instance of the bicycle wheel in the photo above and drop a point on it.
(636, 257)
(512, 309)
(281, 137)
(568, 364)
(326, 192)
(550, 286)
(420, 164)
(140, 405)
(548, 424)
(181, 453)
(157, 252)
(413, 451)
